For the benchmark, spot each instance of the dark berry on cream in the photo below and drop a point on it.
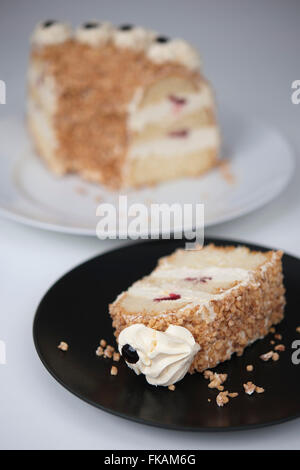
(181, 133)
(162, 39)
(49, 23)
(130, 355)
(126, 27)
(171, 296)
(91, 25)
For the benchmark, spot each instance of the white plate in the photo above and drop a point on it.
(261, 163)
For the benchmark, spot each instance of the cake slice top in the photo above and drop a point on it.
(156, 48)
(189, 279)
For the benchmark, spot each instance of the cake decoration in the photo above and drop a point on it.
(163, 357)
(51, 32)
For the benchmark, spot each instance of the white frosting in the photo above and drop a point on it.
(185, 54)
(97, 36)
(136, 38)
(54, 34)
(166, 110)
(42, 87)
(176, 50)
(42, 124)
(197, 139)
(164, 357)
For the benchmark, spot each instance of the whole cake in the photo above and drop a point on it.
(122, 106)
(196, 309)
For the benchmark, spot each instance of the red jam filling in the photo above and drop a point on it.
(203, 279)
(181, 133)
(171, 296)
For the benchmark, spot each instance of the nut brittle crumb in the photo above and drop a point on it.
(278, 336)
(298, 329)
(280, 347)
(267, 356)
(63, 346)
(272, 329)
(249, 367)
(216, 381)
(103, 343)
(114, 370)
(171, 387)
(207, 374)
(222, 398)
(249, 388)
(99, 351)
(116, 356)
(233, 394)
(275, 356)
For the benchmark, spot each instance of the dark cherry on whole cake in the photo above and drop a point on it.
(203, 279)
(49, 23)
(162, 39)
(130, 354)
(126, 27)
(91, 25)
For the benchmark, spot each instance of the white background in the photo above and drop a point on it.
(251, 54)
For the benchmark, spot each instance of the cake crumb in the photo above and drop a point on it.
(278, 336)
(272, 330)
(259, 389)
(114, 370)
(233, 394)
(298, 329)
(108, 353)
(267, 356)
(275, 356)
(216, 381)
(63, 346)
(222, 398)
(249, 367)
(171, 387)
(116, 356)
(280, 347)
(207, 374)
(99, 351)
(249, 388)
(103, 343)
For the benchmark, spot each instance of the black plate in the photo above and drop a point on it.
(75, 310)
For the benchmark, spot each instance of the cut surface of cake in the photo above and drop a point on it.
(226, 297)
(120, 106)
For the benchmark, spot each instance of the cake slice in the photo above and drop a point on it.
(226, 297)
(122, 106)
